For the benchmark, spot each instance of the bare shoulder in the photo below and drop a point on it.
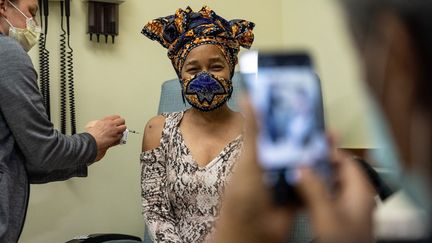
(153, 133)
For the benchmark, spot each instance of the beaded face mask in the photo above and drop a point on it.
(206, 92)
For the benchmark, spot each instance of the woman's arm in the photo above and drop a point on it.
(156, 206)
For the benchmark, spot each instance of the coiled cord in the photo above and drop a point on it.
(41, 68)
(71, 87)
(70, 71)
(45, 75)
(63, 73)
(42, 61)
(44, 71)
(40, 47)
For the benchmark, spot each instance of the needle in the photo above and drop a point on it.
(133, 131)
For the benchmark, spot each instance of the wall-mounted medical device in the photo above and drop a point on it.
(67, 90)
(103, 19)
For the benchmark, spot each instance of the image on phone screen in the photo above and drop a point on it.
(286, 95)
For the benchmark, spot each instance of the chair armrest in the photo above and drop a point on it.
(99, 238)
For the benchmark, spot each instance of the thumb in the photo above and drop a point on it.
(251, 125)
(317, 197)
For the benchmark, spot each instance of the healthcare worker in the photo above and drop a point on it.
(31, 150)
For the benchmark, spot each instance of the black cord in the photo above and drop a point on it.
(44, 58)
(70, 71)
(62, 72)
(46, 61)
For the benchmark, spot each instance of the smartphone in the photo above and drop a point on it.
(285, 93)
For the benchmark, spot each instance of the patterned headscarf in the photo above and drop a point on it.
(185, 30)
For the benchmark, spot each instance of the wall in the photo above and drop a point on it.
(318, 26)
(125, 79)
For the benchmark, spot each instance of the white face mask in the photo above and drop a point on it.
(27, 37)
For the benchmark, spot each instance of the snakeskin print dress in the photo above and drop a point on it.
(181, 199)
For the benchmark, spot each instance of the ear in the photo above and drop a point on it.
(398, 97)
(3, 4)
(403, 60)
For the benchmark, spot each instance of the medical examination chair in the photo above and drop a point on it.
(171, 101)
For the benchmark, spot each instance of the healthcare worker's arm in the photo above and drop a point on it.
(49, 155)
(158, 213)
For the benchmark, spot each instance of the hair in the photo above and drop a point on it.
(416, 15)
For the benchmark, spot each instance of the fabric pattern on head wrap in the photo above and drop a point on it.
(186, 29)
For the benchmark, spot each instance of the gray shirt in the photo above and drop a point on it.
(31, 150)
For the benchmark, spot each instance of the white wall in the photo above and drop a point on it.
(125, 79)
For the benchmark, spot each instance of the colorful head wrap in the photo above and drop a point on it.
(185, 30)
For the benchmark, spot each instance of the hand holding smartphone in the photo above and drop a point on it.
(286, 95)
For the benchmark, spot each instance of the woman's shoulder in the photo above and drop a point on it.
(153, 130)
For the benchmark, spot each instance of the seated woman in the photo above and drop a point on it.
(188, 156)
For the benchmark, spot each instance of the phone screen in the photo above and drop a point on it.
(286, 95)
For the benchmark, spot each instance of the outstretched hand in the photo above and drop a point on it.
(107, 133)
